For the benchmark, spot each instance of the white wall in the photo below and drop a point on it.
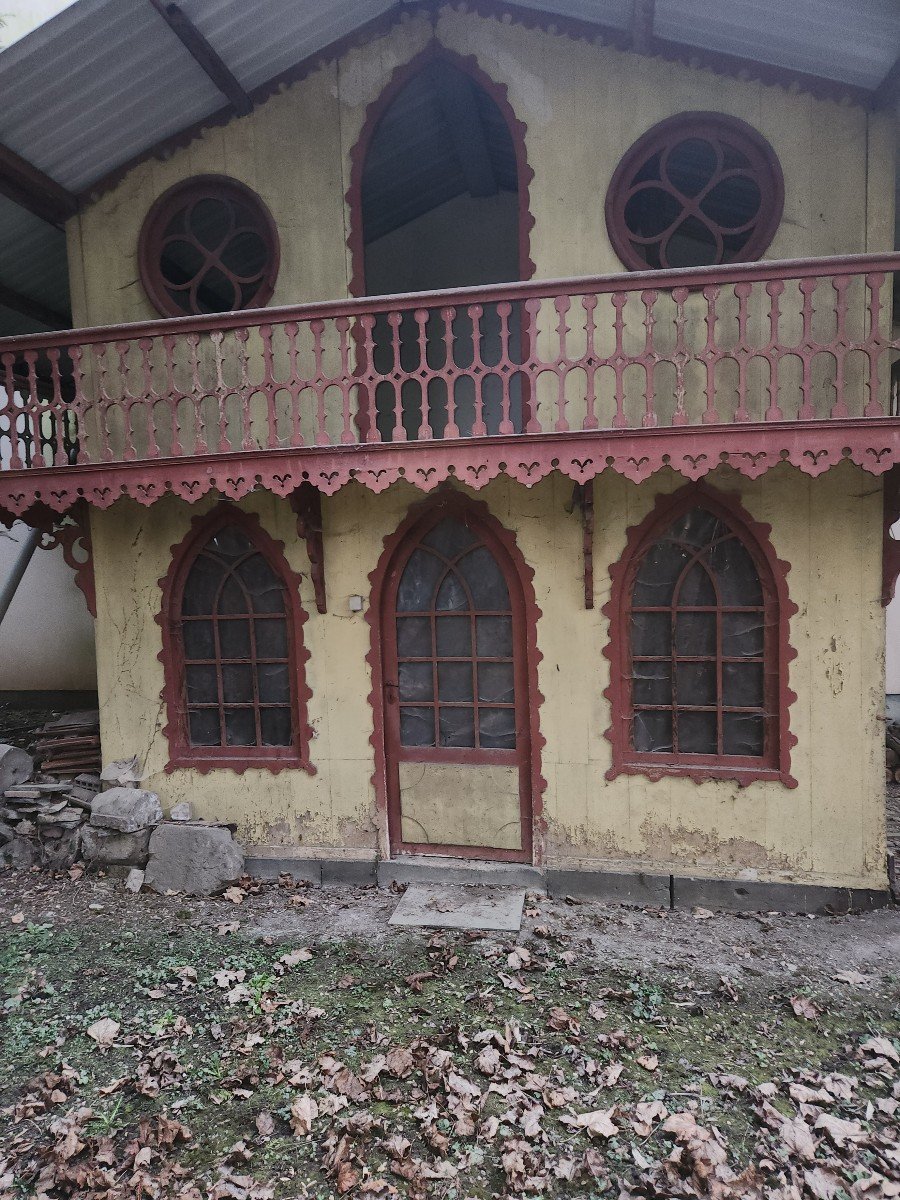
(47, 637)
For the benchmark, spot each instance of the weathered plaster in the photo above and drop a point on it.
(829, 829)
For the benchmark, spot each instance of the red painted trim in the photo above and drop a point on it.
(813, 447)
(773, 572)
(434, 52)
(397, 546)
(615, 282)
(764, 166)
(238, 758)
(179, 196)
(72, 537)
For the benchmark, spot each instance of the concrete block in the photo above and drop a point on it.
(612, 886)
(348, 872)
(442, 906)
(461, 871)
(112, 848)
(183, 811)
(303, 870)
(126, 809)
(736, 895)
(134, 880)
(198, 860)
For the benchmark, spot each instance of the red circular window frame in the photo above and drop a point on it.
(178, 197)
(764, 168)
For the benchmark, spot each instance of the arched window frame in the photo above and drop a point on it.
(779, 608)
(401, 76)
(236, 758)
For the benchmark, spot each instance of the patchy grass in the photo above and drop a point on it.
(428, 1064)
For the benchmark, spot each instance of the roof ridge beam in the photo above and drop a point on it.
(31, 188)
(205, 56)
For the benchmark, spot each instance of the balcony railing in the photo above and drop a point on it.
(807, 340)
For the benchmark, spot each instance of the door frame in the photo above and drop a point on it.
(501, 541)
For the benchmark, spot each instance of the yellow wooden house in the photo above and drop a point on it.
(475, 426)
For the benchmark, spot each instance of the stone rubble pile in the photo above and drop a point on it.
(54, 823)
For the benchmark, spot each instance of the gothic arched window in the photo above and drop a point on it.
(699, 647)
(233, 649)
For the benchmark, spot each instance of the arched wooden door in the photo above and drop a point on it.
(455, 692)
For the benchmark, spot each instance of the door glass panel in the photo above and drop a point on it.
(454, 637)
(414, 637)
(416, 682)
(455, 586)
(485, 579)
(450, 538)
(455, 682)
(457, 727)
(417, 726)
(451, 595)
(421, 573)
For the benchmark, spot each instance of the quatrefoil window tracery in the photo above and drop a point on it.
(696, 190)
(208, 245)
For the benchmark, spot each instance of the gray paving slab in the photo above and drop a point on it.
(445, 906)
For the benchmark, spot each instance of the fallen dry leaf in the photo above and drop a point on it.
(103, 1032)
(296, 956)
(648, 1061)
(235, 895)
(304, 1111)
(599, 1123)
(883, 1047)
(804, 1007)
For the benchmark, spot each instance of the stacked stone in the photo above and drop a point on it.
(52, 823)
(40, 819)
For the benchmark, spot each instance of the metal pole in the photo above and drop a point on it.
(11, 583)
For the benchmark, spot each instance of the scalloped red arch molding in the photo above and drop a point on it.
(773, 577)
(399, 79)
(181, 753)
(453, 503)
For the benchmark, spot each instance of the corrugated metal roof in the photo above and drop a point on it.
(854, 43)
(106, 80)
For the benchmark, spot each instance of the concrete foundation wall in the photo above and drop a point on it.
(830, 829)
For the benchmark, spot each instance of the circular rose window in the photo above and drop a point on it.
(696, 190)
(208, 245)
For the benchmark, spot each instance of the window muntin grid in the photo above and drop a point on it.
(455, 654)
(699, 628)
(236, 647)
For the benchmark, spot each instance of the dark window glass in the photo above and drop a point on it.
(237, 676)
(702, 692)
(455, 582)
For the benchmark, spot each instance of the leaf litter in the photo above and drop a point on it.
(141, 1064)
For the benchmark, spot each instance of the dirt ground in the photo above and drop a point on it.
(285, 1042)
(756, 945)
